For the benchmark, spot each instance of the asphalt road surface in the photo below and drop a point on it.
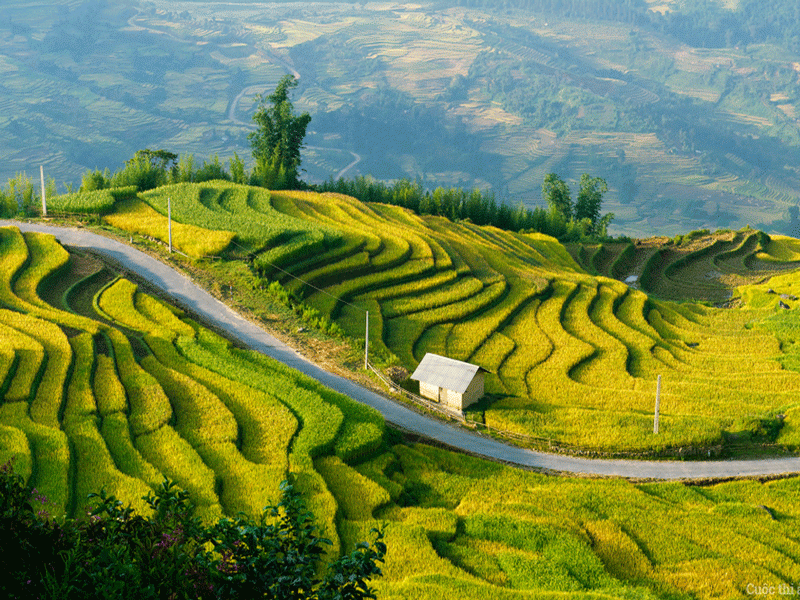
(197, 300)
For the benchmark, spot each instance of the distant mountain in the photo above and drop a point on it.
(692, 118)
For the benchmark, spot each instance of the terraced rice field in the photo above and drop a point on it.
(135, 216)
(106, 386)
(573, 353)
(478, 530)
(123, 390)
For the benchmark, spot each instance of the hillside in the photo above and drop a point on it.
(563, 347)
(129, 389)
(691, 117)
(689, 110)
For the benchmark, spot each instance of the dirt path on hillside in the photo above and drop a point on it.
(212, 310)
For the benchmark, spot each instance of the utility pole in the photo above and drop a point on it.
(169, 221)
(44, 200)
(658, 404)
(366, 344)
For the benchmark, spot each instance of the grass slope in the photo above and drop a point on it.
(456, 526)
(563, 347)
(468, 96)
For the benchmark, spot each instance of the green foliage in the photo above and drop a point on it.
(171, 553)
(212, 170)
(696, 234)
(147, 169)
(578, 221)
(95, 180)
(556, 192)
(30, 541)
(279, 560)
(20, 195)
(590, 200)
(481, 208)
(454, 203)
(237, 170)
(277, 142)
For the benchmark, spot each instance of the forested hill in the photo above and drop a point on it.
(701, 24)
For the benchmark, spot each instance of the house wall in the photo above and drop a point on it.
(452, 399)
(427, 390)
(474, 391)
(472, 394)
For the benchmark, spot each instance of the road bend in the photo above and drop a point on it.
(198, 300)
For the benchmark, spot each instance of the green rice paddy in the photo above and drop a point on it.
(137, 391)
(566, 343)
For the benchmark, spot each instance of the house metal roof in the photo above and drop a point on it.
(445, 372)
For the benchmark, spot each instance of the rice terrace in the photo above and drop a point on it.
(375, 378)
(106, 385)
(563, 348)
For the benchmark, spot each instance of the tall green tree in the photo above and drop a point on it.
(590, 200)
(279, 138)
(556, 192)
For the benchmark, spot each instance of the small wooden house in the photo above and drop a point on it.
(453, 383)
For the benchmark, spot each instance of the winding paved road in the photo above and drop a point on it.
(198, 300)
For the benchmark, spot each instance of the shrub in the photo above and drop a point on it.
(696, 234)
(211, 171)
(171, 553)
(95, 180)
(30, 542)
(147, 169)
(20, 195)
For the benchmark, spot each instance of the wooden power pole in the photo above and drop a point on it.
(366, 344)
(169, 221)
(658, 404)
(44, 200)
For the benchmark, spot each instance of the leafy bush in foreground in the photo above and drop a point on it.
(115, 553)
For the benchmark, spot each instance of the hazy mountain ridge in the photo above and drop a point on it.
(493, 96)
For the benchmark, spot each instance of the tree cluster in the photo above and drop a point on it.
(563, 220)
(584, 213)
(279, 137)
(22, 196)
(276, 146)
(114, 553)
(149, 169)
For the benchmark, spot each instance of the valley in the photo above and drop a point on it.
(687, 137)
